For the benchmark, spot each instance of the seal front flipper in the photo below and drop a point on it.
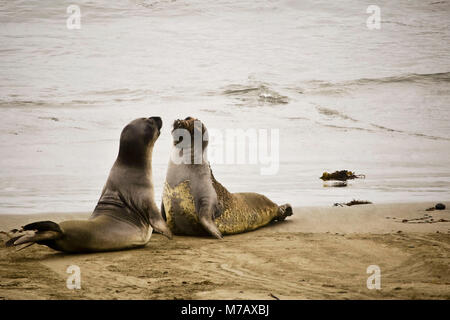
(206, 215)
(159, 224)
(163, 211)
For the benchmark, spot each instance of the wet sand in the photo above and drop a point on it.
(319, 253)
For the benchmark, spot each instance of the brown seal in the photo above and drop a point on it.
(126, 213)
(195, 203)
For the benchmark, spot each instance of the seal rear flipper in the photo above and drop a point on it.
(43, 226)
(36, 232)
(11, 241)
(39, 237)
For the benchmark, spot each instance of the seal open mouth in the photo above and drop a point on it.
(187, 124)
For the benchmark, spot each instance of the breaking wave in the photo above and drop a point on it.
(252, 96)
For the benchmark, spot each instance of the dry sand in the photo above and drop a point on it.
(319, 253)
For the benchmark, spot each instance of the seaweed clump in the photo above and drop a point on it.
(342, 175)
(352, 203)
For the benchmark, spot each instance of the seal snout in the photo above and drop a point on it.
(158, 121)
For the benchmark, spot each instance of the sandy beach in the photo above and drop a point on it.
(319, 253)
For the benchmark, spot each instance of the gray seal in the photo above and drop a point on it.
(126, 213)
(195, 203)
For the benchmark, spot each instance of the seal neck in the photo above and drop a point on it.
(136, 157)
(189, 155)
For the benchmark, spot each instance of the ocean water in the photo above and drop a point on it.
(341, 95)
